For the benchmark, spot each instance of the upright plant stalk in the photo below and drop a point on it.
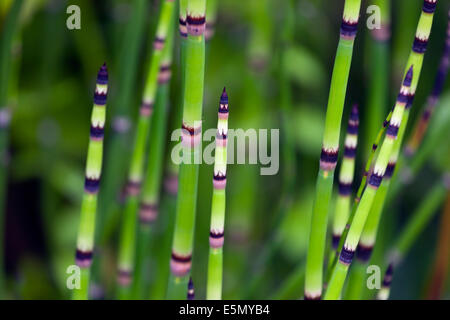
(414, 227)
(149, 205)
(6, 45)
(159, 285)
(378, 71)
(86, 230)
(128, 229)
(369, 235)
(422, 123)
(211, 16)
(216, 234)
(182, 247)
(354, 233)
(342, 210)
(115, 171)
(383, 293)
(328, 158)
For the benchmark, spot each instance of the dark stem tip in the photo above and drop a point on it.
(224, 96)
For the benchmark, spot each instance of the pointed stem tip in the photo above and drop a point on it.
(102, 77)
(224, 96)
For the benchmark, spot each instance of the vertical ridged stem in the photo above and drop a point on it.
(421, 125)
(378, 72)
(354, 233)
(86, 230)
(6, 45)
(182, 247)
(347, 171)
(216, 234)
(149, 206)
(115, 171)
(328, 159)
(211, 16)
(127, 245)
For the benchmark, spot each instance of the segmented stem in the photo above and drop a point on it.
(86, 230)
(128, 228)
(216, 234)
(346, 254)
(328, 158)
(182, 246)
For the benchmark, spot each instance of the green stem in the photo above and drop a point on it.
(127, 246)
(86, 230)
(182, 246)
(354, 233)
(216, 235)
(336, 100)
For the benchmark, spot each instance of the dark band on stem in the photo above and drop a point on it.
(181, 258)
(312, 298)
(100, 98)
(220, 176)
(375, 180)
(192, 131)
(183, 29)
(133, 187)
(328, 158)
(429, 6)
(196, 25)
(345, 189)
(83, 258)
(216, 234)
(402, 98)
(148, 212)
(350, 152)
(352, 127)
(97, 132)
(420, 45)
(389, 170)
(91, 185)
(146, 108)
(335, 241)
(349, 29)
(410, 101)
(346, 256)
(363, 253)
(392, 130)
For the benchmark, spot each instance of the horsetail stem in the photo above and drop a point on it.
(369, 234)
(180, 263)
(211, 16)
(171, 179)
(346, 254)
(414, 227)
(149, 202)
(383, 293)
(216, 234)
(342, 210)
(328, 158)
(379, 71)
(190, 290)
(115, 171)
(86, 230)
(416, 59)
(6, 45)
(128, 229)
(422, 123)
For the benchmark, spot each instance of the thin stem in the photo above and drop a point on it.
(328, 159)
(149, 205)
(128, 230)
(354, 233)
(216, 234)
(182, 247)
(86, 230)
